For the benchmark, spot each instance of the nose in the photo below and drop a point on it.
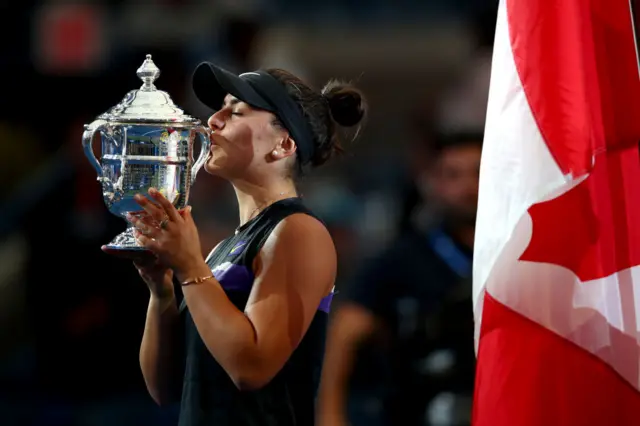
(215, 122)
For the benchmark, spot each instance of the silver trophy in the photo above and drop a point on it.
(147, 141)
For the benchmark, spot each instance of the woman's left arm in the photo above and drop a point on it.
(294, 270)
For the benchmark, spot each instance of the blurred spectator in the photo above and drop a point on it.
(402, 336)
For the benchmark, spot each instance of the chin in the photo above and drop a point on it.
(215, 168)
(212, 168)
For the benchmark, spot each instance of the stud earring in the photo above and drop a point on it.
(275, 152)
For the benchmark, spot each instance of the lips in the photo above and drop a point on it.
(214, 139)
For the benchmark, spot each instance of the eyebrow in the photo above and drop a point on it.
(232, 102)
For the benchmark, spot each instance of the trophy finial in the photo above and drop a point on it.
(148, 73)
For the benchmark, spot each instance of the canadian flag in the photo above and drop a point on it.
(557, 253)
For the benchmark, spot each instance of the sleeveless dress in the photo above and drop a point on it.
(209, 397)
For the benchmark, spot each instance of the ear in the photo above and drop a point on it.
(286, 147)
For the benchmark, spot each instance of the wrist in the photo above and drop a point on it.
(163, 289)
(164, 293)
(190, 272)
(162, 301)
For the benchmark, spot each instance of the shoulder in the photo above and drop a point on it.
(298, 252)
(301, 249)
(300, 233)
(301, 224)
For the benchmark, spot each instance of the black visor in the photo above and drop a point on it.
(260, 90)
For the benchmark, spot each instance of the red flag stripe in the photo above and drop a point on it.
(529, 376)
(577, 63)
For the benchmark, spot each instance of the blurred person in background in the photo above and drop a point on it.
(400, 343)
(254, 312)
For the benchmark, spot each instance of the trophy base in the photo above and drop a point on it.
(125, 245)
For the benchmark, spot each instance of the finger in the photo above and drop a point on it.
(146, 261)
(186, 215)
(168, 207)
(146, 264)
(140, 264)
(142, 226)
(151, 208)
(146, 218)
(146, 242)
(145, 228)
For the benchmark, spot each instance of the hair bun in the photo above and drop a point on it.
(347, 104)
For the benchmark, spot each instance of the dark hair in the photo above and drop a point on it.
(337, 104)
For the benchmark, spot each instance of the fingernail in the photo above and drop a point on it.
(138, 197)
(153, 191)
(189, 209)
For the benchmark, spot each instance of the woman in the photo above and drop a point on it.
(255, 310)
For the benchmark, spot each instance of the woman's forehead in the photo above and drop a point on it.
(231, 100)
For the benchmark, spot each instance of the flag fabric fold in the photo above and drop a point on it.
(557, 252)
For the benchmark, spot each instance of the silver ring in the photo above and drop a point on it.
(163, 224)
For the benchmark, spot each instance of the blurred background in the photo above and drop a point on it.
(71, 317)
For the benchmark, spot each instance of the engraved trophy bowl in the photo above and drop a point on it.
(146, 141)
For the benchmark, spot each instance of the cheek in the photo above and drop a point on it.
(239, 139)
(451, 190)
(234, 151)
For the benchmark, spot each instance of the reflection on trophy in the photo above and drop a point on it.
(147, 141)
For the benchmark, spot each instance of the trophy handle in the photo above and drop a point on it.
(87, 143)
(205, 147)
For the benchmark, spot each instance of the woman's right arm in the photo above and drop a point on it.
(159, 349)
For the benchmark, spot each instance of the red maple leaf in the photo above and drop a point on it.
(594, 228)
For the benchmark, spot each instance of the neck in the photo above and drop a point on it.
(253, 198)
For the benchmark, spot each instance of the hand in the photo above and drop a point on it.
(171, 235)
(158, 277)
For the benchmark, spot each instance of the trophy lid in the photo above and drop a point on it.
(147, 104)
